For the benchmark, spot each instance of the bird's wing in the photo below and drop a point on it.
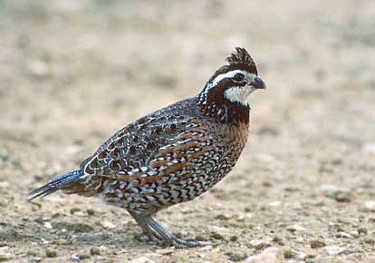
(151, 148)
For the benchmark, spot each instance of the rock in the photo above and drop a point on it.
(222, 217)
(369, 206)
(241, 218)
(201, 238)
(166, 251)
(369, 240)
(300, 256)
(51, 253)
(74, 227)
(5, 256)
(278, 240)
(295, 228)
(217, 236)
(362, 230)
(90, 212)
(47, 225)
(98, 250)
(74, 210)
(354, 233)
(4, 184)
(107, 225)
(336, 193)
(9, 234)
(288, 253)
(62, 242)
(38, 68)
(141, 260)
(274, 204)
(334, 250)
(269, 255)
(233, 238)
(369, 147)
(80, 256)
(343, 235)
(260, 243)
(317, 243)
(235, 256)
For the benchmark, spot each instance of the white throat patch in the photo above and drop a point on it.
(239, 94)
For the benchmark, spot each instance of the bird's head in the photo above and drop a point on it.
(225, 93)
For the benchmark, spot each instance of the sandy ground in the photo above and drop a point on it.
(74, 72)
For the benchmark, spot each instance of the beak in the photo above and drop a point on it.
(258, 83)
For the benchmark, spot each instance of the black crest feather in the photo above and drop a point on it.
(240, 59)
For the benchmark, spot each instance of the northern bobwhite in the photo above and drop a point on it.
(172, 155)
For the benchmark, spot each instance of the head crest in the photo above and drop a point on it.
(241, 59)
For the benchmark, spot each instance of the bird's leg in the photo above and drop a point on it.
(169, 239)
(147, 230)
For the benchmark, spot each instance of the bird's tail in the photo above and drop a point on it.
(59, 182)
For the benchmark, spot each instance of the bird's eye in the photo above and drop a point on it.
(238, 77)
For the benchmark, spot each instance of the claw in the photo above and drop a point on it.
(185, 243)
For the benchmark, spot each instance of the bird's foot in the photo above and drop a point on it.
(148, 237)
(184, 243)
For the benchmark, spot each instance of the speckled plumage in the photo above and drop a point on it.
(170, 156)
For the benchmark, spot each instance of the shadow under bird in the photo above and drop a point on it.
(172, 155)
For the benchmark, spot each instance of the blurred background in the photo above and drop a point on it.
(74, 72)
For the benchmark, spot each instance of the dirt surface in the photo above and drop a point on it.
(74, 72)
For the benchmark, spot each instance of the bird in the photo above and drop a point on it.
(172, 155)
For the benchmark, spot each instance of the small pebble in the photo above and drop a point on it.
(201, 238)
(98, 250)
(241, 219)
(317, 243)
(38, 68)
(369, 147)
(354, 233)
(233, 238)
(369, 240)
(81, 256)
(217, 236)
(336, 193)
(288, 253)
(369, 206)
(235, 256)
(278, 240)
(343, 235)
(5, 256)
(141, 260)
(62, 241)
(107, 225)
(90, 212)
(47, 225)
(269, 255)
(295, 228)
(334, 250)
(4, 184)
(51, 253)
(362, 230)
(260, 243)
(274, 204)
(222, 217)
(166, 251)
(74, 210)
(301, 256)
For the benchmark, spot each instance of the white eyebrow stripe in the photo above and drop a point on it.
(220, 77)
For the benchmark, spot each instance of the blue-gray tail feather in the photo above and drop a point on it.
(58, 182)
